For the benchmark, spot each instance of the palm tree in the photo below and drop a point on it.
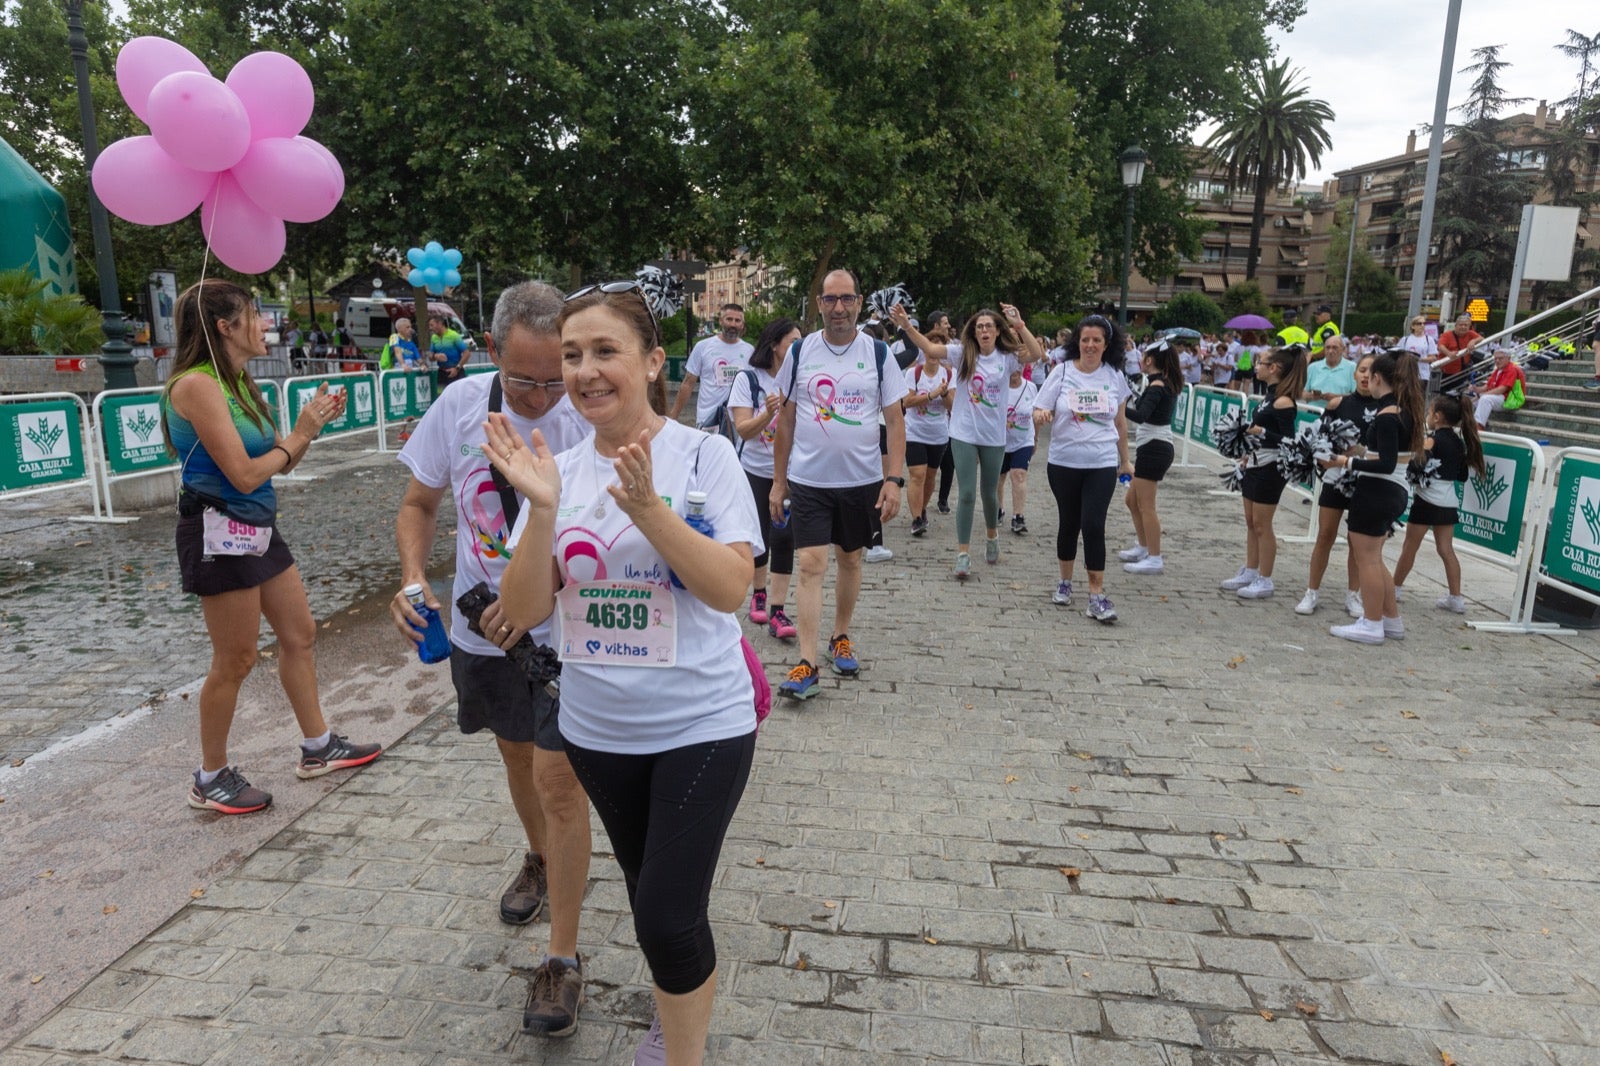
(1269, 137)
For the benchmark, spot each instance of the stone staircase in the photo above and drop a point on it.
(1559, 411)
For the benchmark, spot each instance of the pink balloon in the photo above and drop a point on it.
(144, 61)
(276, 92)
(242, 235)
(287, 177)
(199, 121)
(138, 181)
(333, 164)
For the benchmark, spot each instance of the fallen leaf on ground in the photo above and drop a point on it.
(803, 963)
(47, 873)
(1381, 749)
(1447, 1059)
(930, 940)
(18, 762)
(1295, 791)
(82, 543)
(36, 978)
(1070, 788)
(1306, 1008)
(1267, 1014)
(761, 860)
(1010, 778)
(197, 893)
(110, 908)
(1338, 769)
(830, 904)
(1233, 663)
(1085, 756)
(1408, 714)
(1219, 836)
(1072, 873)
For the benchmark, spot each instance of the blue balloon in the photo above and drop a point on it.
(452, 278)
(434, 249)
(433, 276)
(415, 278)
(452, 257)
(416, 257)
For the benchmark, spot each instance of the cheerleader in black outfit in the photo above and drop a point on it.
(1284, 374)
(1393, 438)
(1455, 443)
(1359, 408)
(1152, 414)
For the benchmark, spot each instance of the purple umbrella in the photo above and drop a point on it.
(1247, 322)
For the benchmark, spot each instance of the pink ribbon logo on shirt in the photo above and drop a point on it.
(823, 398)
(976, 391)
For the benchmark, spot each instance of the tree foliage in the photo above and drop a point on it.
(1373, 288)
(1150, 72)
(1244, 298)
(1194, 310)
(1274, 134)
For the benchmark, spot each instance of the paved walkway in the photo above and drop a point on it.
(1210, 834)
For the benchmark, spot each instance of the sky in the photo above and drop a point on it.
(1376, 63)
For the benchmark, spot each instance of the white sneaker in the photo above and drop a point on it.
(1308, 602)
(1352, 604)
(1133, 554)
(1455, 604)
(1150, 564)
(1259, 589)
(1394, 628)
(879, 554)
(1361, 631)
(1239, 580)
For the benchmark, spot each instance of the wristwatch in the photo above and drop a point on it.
(897, 480)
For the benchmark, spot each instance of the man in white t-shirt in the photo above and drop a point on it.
(713, 365)
(826, 462)
(444, 454)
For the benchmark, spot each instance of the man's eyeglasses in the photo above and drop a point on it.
(847, 300)
(611, 288)
(556, 388)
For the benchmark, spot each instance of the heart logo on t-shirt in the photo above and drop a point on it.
(593, 646)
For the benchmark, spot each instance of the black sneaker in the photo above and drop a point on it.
(919, 525)
(337, 754)
(944, 507)
(1019, 525)
(228, 793)
(554, 997)
(524, 900)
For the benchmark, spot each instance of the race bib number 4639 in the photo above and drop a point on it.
(617, 623)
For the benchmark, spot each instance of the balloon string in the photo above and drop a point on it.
(200, 295)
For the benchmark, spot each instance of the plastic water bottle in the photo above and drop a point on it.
(695, 515)
(1123, 479)
(783, 523)
(435, 646)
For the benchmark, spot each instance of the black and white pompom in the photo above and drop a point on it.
(1421, 475)
(663, 291)
(1231, 435)
(1343, 479)
(1339, 436)
(878, 303)
(1232, 478)
(1297, 457)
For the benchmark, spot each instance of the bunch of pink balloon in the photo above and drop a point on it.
(231, 148)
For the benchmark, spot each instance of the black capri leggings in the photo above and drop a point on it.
(666, 814)
(1082, 499)
(779, 543)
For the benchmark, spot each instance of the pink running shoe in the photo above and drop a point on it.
(780, 626)
(758, 608)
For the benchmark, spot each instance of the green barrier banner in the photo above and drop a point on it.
(1572, 546)
(1492, 506)
(273, 394)
(130, 427)
(1180, 413)
(406, 394)
(360, 409)
(1208, 408)
(41, 443)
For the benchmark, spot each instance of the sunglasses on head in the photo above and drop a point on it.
(611, 288)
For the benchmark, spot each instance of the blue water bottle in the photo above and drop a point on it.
(783, 523)
(435, 646)
(695, 515)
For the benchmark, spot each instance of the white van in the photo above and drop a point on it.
(369, 321)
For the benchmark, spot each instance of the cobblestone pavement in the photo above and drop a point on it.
(1211, 834)
(93, 622)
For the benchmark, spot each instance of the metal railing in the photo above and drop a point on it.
(1573, 332)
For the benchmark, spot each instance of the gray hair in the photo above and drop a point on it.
(533, 305)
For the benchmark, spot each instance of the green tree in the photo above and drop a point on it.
(1269, 137)
(1244, 298)
(1372, 286)
(1150, 72)
(930, 144)
(1194, 310)
(1481, 192)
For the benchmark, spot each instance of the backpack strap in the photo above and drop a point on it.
(509, 506)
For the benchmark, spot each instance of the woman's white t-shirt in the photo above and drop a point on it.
(1084, 433)
(977, 410)
(1422, 347)
(756, 455)
(1020, 431)
(707, 695)
(930, 423)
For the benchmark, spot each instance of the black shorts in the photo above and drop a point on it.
(1376, 507)
(1332, 498)
(1017, 460)
(1153, 459)
(820, 517)
(919, 454)
(493, 693)
(1263, 484)
(1428, 514)
(211, 575)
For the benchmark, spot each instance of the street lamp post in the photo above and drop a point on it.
(116, 356)
(1132, 161)
(1349, 259)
